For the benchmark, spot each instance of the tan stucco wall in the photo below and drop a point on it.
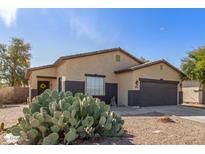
(191, 92)
(124, 84)
(75, 69)
(154, 72)
(42, 72)
(102, 64)
(128, 80)
(61, 69)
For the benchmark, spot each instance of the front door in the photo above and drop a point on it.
(42, 86)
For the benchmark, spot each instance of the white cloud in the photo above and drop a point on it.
(82, 26)
(8, 15)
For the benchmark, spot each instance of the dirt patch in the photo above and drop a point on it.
(166, 119)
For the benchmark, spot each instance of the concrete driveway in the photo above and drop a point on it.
(190, 113)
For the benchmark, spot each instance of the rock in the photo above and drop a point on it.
(113, 102)
(11, 139)
(156, 131)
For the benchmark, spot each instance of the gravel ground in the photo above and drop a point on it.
(146, 130)
(9, 114)
(143, 129)
(149, 130)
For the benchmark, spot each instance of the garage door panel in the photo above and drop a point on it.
(155, 93)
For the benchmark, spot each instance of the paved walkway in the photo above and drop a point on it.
(190, 113)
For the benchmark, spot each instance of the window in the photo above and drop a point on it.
(95, 86)
(117, 58)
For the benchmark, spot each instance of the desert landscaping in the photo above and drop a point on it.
(139, 129)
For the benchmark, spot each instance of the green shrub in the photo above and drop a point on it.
(61, 118)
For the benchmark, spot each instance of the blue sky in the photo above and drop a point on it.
(151, 33)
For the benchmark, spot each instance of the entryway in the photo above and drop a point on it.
(42, 86)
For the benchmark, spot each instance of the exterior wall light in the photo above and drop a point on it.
(136, 84)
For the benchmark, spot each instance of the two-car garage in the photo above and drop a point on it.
(157, 92)
(153, 93)
(151, 84)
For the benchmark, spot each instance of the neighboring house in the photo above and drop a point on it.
(193, 92)
(110, 73)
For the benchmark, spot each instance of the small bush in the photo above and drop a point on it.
(61, 118)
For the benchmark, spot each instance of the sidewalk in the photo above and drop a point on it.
(202, 106)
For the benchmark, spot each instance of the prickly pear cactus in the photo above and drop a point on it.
(15, 131)
(102, 121)
(61, 118)
(51, 139)
(71, 135)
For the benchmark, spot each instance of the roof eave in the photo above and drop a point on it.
(96, 53)
(29, 70)
(153, 63)
(83, 55)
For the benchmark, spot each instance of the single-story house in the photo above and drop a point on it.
(193, 92)
(111, 74)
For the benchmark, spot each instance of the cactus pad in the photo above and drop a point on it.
(61, 118)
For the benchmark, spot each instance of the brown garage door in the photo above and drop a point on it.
(157, 92)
